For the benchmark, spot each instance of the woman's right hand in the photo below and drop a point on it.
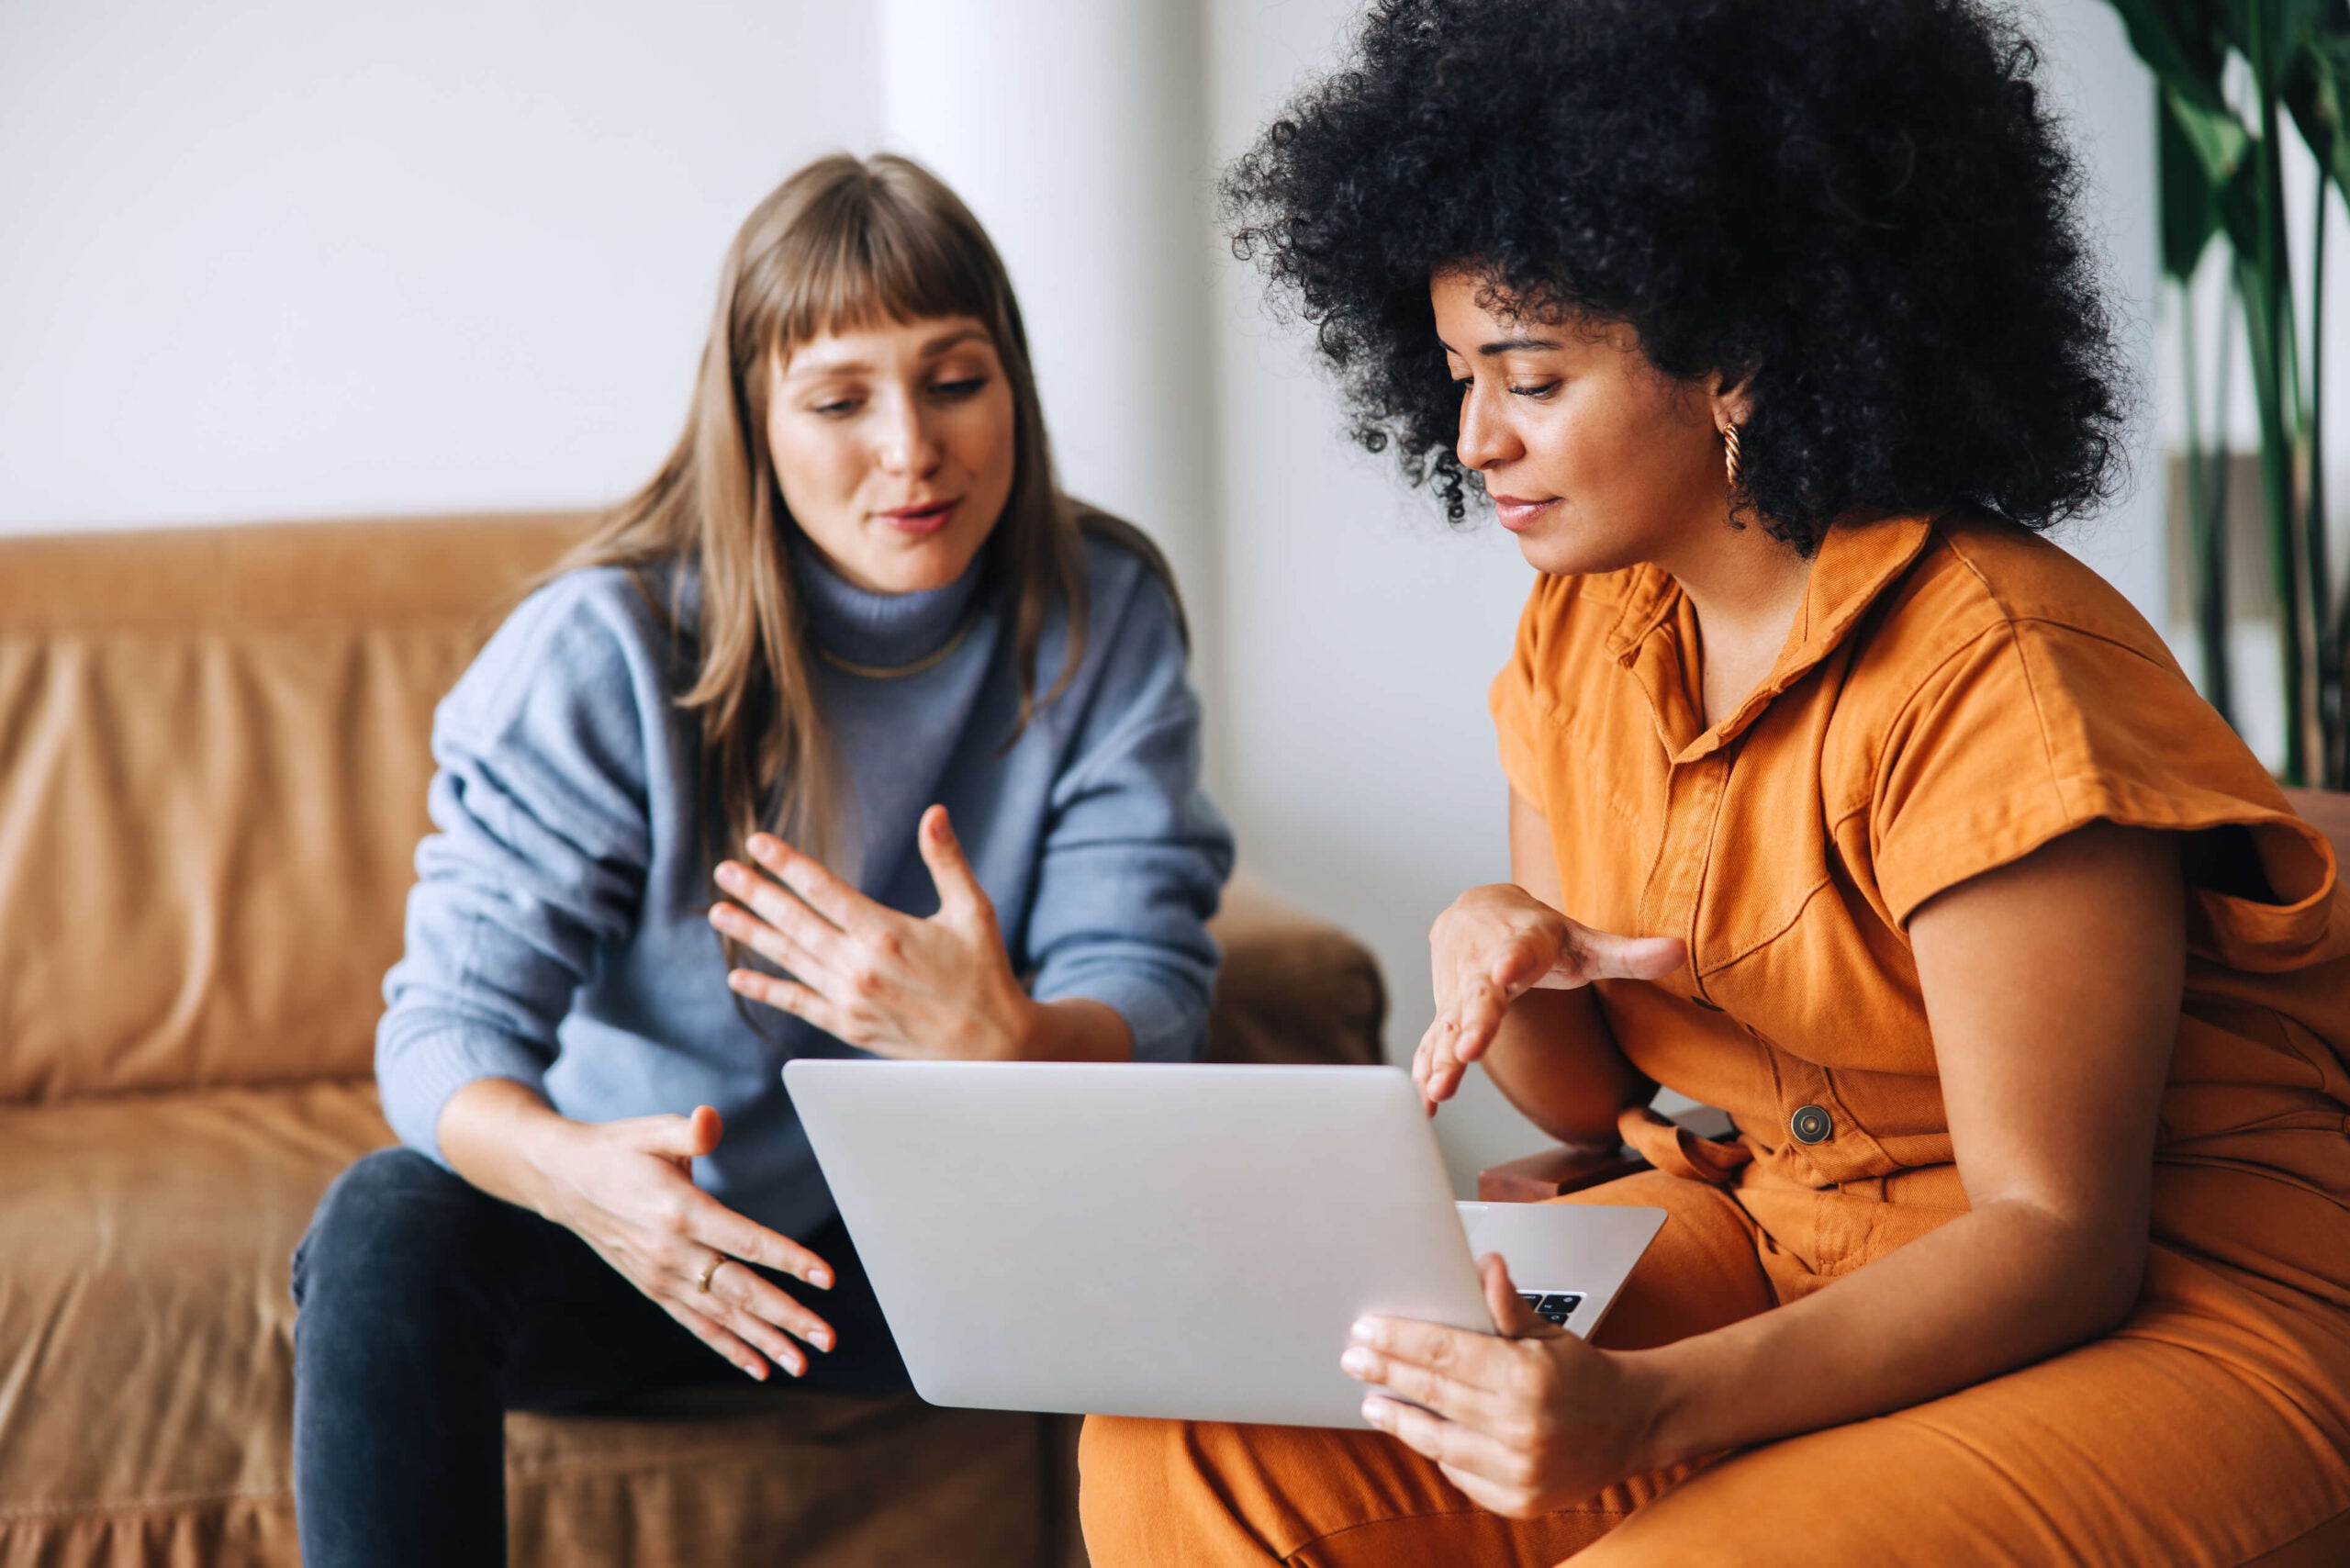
(1494, 944)
(627, 1189)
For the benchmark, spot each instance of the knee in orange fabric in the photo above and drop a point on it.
(1210, 1494)
(1211, 1491)
(1700, 1273)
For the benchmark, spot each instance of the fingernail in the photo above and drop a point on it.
(821, 1279)
(754, 1372)
(738, 980)
(1373, 1413)
(729, 874)
(1357, 1361)
(762, 845)
(821, 1339)
(1362, 1331)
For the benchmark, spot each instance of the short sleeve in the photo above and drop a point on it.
(2034, 728)
(1515, 699)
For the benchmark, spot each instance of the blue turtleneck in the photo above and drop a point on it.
(558, 935)
(881, 631)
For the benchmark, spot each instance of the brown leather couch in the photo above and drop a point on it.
(212, 769)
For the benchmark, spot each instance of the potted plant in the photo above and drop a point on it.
(2231, 76)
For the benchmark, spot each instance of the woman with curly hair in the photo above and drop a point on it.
(1840, 799)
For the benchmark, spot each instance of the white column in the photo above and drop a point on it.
(1073, 128)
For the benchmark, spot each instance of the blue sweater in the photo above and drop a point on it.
(558, 933)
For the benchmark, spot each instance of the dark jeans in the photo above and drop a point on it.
(429, 1309)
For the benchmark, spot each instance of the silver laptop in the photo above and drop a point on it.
(1187, 1241)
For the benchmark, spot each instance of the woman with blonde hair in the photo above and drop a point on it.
(854, 655)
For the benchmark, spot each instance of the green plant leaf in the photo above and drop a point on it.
(2191, 196)
(2202, 149)
(2218, 138)
(2314, 95)
(2238, 202)
(2175, 38)
(2220, 171)
(2287, 23)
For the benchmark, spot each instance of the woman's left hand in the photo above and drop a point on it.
(1524, 1422)
(886, 982)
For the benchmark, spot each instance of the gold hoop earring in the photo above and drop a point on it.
(1730, 461)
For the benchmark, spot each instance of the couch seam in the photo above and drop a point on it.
(100, 1509)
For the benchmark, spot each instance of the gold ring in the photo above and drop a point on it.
(701, 1282)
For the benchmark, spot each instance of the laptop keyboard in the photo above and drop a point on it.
(1556, 1306)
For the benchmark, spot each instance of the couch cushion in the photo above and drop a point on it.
(720, 1474)
(1292, 987)
(213, 759)
(148, 1379)
(144, 1320)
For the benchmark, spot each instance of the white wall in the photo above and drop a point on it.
(2109, 99)
(276, 259)
(1091, 177)
(1087, 160)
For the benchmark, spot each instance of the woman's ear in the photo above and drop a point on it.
(1732, 398)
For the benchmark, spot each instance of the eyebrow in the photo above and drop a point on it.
(1505, 345)
(947, 340)
(952, 338)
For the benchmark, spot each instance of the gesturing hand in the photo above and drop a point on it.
(1494, 944)
(626, 1188)
(884, 982)
(1524, 1422)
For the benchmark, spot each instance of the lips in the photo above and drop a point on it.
(927, 518)
(1516, 513)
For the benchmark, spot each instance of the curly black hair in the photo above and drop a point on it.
(1867, 205)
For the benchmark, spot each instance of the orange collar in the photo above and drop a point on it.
(1652, 638)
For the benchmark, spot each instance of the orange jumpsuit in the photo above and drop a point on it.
(1955, 693)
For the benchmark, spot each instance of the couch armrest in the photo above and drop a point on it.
(1293, 987)
(1536, 1178)
(1570, 1168)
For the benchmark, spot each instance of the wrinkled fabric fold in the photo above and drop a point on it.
(1677, 1151)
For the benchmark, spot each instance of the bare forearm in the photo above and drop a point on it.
(1989, 1292)
(496, 1133)
(1553, 1059)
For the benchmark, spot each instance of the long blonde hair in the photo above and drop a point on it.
(843, 243)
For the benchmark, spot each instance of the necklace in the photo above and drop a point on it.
(898, 672)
